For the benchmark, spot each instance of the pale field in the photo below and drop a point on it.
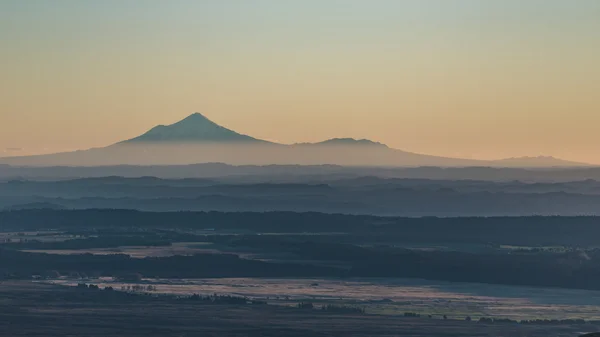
(394, 296)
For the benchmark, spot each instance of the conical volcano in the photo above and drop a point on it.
(195, 128)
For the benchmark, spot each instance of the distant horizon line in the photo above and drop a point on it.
(381, 167)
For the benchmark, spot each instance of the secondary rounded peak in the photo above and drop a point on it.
(350, 141)
(344, 141)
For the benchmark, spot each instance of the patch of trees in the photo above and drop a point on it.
(90, 287)
(334, 308)
(554, 321)
(305, 305)
(94, 293)
(344, 309)
(223, 299)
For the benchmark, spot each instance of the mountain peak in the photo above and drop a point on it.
(196, 116)
(192, 129)
(195, 120)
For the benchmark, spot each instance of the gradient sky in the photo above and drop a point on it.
(463, 78)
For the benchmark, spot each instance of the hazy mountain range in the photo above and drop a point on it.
(363, 195)
(299, 173)
(196, 139)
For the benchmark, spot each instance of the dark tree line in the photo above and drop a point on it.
(22, 264)
(528, 231)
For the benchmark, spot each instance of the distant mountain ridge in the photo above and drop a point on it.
(197, 139)
(539, 160)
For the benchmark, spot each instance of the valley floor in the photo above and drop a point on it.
(35, 309)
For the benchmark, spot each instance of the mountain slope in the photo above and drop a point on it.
(194, 128)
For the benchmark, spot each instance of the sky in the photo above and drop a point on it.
(477, 79)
